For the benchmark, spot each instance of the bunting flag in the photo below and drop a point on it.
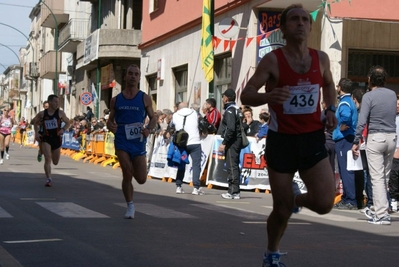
(207, 59)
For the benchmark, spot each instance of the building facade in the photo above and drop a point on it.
(96, 40)
(353, 35)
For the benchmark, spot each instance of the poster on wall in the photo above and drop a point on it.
(268, 25)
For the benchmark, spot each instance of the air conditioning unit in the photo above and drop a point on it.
(33, 70)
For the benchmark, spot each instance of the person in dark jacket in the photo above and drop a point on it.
(230, 131)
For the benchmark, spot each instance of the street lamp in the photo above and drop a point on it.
(20, 74)
(33, 53)
(55, 87)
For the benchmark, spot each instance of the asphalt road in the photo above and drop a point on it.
(79, 222)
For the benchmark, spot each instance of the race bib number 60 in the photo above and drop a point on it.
(303, 100)
(133, 130)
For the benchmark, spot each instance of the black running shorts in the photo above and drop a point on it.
(288, 153)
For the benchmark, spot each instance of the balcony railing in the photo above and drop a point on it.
(47, 65)
(72, 33)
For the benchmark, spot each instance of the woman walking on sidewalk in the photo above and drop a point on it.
(6, 123)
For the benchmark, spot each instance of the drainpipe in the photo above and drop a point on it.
(98, 73)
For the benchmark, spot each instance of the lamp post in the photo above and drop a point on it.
(33, 53)
(55, 87)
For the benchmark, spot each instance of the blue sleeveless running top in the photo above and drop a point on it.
(129, 116)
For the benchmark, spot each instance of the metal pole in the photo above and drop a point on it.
(55, 87)
(98, 72)
(20, 77)
(9, 48)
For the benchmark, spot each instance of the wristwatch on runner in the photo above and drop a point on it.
(330, 108)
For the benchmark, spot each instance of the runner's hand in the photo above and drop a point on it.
(278, 95)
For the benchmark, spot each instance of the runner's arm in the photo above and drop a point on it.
(36, 121)
(65, 119)
(150, 114)
(111, 125)
(329, 93)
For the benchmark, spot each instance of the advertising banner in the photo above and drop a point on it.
(69, 141)
(109, 146)
(159, 167)
(252, 165)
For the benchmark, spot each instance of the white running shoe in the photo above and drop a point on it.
(179, 190)
(230, 196)
(7, 156)
(130, 211)
(1, 161)
(198, 192)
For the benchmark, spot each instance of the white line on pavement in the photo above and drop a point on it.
(158, 211)
(32, 241)
(70, 210)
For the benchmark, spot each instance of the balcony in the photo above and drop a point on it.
(57, 7)
(112, 44)
(72, 34)
(47, 65)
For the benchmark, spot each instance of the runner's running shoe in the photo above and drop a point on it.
(130, 211)
(272, 260)
(48, 183)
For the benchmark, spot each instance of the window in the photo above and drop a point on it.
(223, 70)
(360, 61)
(154, 5)
(152, 87)
(181, 81)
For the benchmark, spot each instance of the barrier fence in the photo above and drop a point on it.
(98, 148)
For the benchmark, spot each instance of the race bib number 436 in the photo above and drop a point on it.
(133, 130)
(303, 100)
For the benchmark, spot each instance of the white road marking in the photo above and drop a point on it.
(4, 214)
(102, 174)
(32, 241)
(70, 210)
(20, 170)
(264, 222)
(158, 211)
(329, 217)
(239, 212)
(36, 199)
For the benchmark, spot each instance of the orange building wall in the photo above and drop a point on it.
(174, 14)
(367, 9)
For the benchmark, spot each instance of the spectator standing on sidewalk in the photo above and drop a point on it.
(230, 131)
(212, 115)
(362, 177)
(193, 148)
(128, 111)
(294, 74)
(378, 111)
(343, 136)
(393, 183)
